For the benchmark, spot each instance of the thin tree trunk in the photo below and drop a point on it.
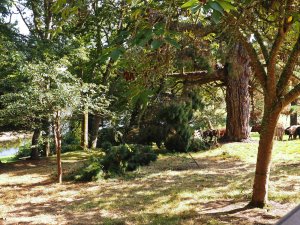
(34, 144)
(57, 139)
(263, 164)
(294, 115)
(237, 96)
(85, 130)
(94, 131)
(46, 137)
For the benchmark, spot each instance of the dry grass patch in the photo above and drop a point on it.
(173, 190)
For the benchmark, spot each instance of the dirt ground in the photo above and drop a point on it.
(173, 190)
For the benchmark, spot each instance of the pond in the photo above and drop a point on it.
(10, 148)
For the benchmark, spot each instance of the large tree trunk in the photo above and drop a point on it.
(85, 130)
(94, 131)
(237, 95)
(57, 140)
(294, 115)
(263, 164)
(34, 144)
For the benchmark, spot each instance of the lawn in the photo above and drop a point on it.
(172, 190)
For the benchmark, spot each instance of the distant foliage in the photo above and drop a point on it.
(71, 140)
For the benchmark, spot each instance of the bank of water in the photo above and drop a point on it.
(8, 149)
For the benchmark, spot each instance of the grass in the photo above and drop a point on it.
(172, 190)
(7, 159)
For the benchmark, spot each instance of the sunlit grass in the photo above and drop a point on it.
(172, 190)
(7, 159)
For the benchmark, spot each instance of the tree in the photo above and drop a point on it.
(273, 63)
(237, 95)
(269, 32)
(52, 92)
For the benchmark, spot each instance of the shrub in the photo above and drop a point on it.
(198, 144)
(127, 158)
(89, 171)
(109, 135)
(116, 161)
(106, 146)
(175, 143)
(24, 151)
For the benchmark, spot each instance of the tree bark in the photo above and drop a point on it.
(263, 164)
(34, 144)
(94, 131)
(46, 137)
(293, 116)
(85, 130)
(237, 95)
(57, 140)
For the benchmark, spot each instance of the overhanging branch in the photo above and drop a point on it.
(200, 77)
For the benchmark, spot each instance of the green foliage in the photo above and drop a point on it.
(89, 172)
(116, 161)
(106, 145)
(111, 135)
(24, 151)
(178, 116)
(70, 148)
(120, 159)
(215, 8)
(72, 137)
(198, 144)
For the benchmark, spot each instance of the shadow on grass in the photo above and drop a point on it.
(173, 190)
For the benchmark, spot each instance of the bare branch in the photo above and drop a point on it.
(23, 18)
(200, 77)
(288, 70)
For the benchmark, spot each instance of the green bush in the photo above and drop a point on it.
(198, 144)
(116, 161)
(174, 143)
(122, 158)
(106, 146)
(24, 151)
(89, 172)
(109, 135)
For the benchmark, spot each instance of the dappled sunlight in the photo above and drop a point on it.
(172, 190)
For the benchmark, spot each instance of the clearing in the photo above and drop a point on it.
(172, 190)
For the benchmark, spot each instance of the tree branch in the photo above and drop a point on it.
(23, 18)
(200, 77)
(35, 20)
(291, 96)
(257, 66)
(261, 44)
(287, 72)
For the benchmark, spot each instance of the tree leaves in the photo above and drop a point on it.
(190, 4)
(215, 8)
(155, 44)
(226, 5)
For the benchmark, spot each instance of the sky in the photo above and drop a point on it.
(16, 17)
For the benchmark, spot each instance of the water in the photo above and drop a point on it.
(10, 148)
(8, 151)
